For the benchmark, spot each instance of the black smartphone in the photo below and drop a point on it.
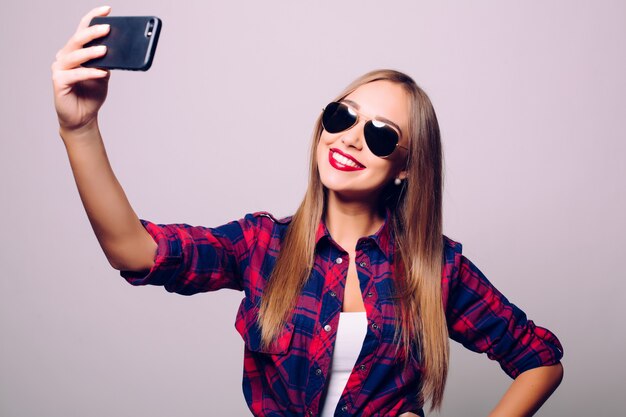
(131, 42)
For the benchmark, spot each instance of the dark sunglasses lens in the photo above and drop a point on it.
(337, 118)
(381, 138)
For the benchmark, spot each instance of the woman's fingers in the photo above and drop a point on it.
(75, 58)
(64, 80)
(66, 70)
(98, 11)
(83, 36)
(85, 33)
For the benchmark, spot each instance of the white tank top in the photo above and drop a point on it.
(350, 336)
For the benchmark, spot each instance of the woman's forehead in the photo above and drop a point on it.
(382, 99)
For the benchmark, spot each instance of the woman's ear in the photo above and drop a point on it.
(402, 175)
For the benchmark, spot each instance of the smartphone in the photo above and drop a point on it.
(131, 42)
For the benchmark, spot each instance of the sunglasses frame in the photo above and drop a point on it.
(358, 117)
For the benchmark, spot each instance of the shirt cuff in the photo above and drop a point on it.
(544, 349)
(167, 261)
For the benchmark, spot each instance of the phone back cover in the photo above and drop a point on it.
(128, 44)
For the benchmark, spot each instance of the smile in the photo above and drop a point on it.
(343, 162)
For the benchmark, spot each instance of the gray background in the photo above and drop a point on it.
(530, 98)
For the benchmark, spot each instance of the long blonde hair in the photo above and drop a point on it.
(416, 220)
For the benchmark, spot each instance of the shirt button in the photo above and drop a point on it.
(362, 367)
(332, 294)
(370, 294)
(327, 328)
(362, 264)
(344, 408)
(318, 371)
(374, 326)
(338, 260)
(310, 412)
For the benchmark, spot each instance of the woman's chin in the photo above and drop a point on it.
(351, 195)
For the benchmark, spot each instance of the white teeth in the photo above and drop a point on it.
(343, 160)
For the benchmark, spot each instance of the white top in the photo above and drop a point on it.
(350, 336)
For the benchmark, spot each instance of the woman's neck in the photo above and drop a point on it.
(347, 221)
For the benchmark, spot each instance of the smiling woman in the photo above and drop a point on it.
(349, 304)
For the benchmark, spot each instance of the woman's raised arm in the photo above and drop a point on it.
(78, 95)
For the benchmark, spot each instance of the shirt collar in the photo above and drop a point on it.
(382, 238)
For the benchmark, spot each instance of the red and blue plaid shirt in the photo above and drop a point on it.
(290, 377)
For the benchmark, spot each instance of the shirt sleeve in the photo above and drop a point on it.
(193, 259)
(483, 320)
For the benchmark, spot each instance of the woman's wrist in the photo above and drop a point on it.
(87, 134)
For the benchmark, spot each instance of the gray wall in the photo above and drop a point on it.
(530, 98)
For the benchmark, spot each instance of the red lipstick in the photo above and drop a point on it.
(343, 162)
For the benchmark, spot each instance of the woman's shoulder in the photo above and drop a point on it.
(259, 215)
(451, 246)
(264, 223)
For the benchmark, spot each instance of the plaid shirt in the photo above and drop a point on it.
(289, 378)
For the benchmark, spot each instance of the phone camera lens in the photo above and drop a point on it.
(150, 28)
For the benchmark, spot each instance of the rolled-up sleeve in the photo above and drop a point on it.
(483, 320)
(193, 259)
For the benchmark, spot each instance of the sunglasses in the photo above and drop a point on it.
(381, 138)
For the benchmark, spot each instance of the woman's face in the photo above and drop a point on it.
(367, 174)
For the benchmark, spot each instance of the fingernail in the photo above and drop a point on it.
(101, 48)
(104, 8)
(104, 28)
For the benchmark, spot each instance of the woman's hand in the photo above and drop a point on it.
(79, 92)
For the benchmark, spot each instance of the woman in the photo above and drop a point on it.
(348, 304)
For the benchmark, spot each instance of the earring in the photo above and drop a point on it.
(397, 181)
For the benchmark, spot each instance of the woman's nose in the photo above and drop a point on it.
(353, 137)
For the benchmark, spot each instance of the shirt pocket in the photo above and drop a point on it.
(247, 326)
